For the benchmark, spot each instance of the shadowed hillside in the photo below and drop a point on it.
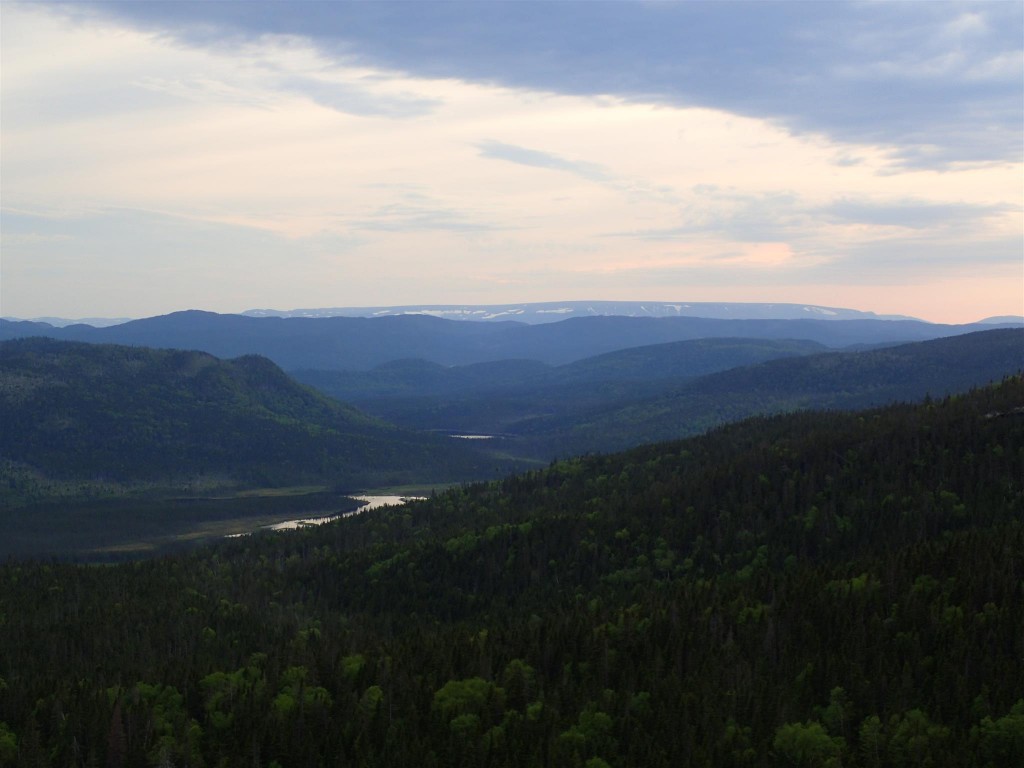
(98, 413)
(844, 380)
(665, 391)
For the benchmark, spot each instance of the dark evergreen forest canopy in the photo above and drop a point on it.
(815, 589)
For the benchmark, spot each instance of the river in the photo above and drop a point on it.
(372, 502)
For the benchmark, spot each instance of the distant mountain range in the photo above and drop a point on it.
(549, 312)
(534, 313)
(545, 312)
(60, 322)
(356, 343)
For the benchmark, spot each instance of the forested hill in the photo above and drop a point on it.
(129, 414)
(638, 395)
(495, 380)
(817, 589)
(847, 380)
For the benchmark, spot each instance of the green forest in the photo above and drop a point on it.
(99, 419)
(814, 589)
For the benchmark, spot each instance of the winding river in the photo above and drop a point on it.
(372, 502)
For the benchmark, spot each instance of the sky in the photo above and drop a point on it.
(160, 156)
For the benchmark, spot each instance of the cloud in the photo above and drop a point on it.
(934, 83)
(345, 98)
(631, 189)
(537, 159)
(914, 261)
(734, 215)
(912, 214)
(406, 217)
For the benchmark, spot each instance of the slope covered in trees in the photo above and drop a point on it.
(666, 391)
(674, 360)
(846, 380)
(504, 396)
(812, 589)
(102, 413)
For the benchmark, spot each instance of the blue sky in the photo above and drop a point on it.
(223, 155)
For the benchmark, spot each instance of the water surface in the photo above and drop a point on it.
(372, 502)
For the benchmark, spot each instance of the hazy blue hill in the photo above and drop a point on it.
(683, 359)
(497, 397)
(129, 414)
(675, 360)
(328, 343)
(414, 378)
(831, 380)
(578, 338)
(20, 329)
(352, 343)
(641, 394)
(1003, 320)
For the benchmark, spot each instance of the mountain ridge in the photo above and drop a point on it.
(341, 343)
(552, 311)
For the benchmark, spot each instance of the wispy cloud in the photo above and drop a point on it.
(534, 158)
(733, 215)
(913, 214)
(348, 98)
(895, 262)
(637, 189)
(406, 217)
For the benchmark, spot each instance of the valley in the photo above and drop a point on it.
(122, 449)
